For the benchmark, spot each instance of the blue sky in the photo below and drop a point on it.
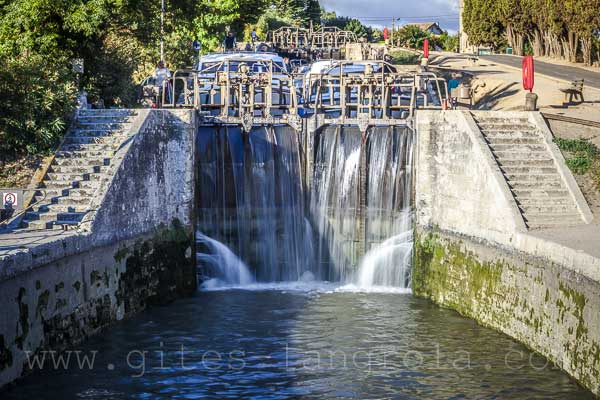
(380, 12)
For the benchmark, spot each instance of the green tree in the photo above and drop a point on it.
(38, 95)
(357, 27)
(411, 36)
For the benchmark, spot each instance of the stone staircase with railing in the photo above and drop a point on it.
(531, 172)
(78, 169)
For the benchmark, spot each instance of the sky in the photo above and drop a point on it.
(379, 13)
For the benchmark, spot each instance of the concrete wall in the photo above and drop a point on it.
(459, 185)
(474, 255)
(551, 309)
(138, 250)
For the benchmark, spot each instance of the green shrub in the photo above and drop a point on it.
(37, 97)
(582, 157)
(404, 57)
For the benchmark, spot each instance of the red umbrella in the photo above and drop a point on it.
(426, 48)
(386, 33)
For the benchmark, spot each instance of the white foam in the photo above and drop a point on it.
(214, 285)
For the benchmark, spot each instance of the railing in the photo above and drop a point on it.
(287, 38)
(371, 90)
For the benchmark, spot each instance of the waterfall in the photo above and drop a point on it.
(221, 262)
(252, 198)
(386, 217)
(354, 225)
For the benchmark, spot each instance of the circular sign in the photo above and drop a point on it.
(10, 198)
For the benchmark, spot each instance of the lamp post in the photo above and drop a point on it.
(162, 30)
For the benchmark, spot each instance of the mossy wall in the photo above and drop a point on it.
(551, 309)
(61, 304)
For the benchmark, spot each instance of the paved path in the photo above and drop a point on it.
(21, 240)
(564, 72)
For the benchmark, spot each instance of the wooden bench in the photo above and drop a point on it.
(575, 90)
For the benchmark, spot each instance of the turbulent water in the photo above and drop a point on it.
(301, 344)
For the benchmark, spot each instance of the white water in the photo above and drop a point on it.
(388, 264)
(387, 217)
(225, 265)
(253, 200)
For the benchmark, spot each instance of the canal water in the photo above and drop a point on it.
(300, 341)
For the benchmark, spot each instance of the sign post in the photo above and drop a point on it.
(11, 199)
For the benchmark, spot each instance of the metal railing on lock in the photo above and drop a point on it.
(180, 90)
(372, 89)
(234, 87)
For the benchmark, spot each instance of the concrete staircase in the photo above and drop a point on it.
(78, 169)
(526, 161)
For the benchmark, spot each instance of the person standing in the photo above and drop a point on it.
(197, 47)
(162, 76)
(230, 42)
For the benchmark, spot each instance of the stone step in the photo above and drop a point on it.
(61, 208)
(67, 192)
(541, 164)
(72, 200)
(554, 221)
(512, 134)
(105, 126)
(536, 185)
(517, 148)
(92, 136)
(83, 156)
(89, 147)
(79, 169)
(58, 184)
(541, 193)
(514, 127)
(559, 216)
(529, 202)
(79, 161)
(500, 140)
(109, 138)
(545, 208)
(501, 120)
(522, 154)
(106, 112)
(68, 184)
(75, 177)
(510, 170)
(104, 119)
(53, 216)
(532, 176)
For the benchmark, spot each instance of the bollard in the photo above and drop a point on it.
(531, 102)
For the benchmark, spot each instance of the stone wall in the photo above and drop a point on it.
(474, 254)
(136, 251)
(65, 302)
(551, 309)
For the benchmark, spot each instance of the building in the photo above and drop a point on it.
(431, 27)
